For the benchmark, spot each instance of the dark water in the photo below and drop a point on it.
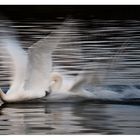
(69, 118)
(108, 47)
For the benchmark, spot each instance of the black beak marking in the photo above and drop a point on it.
(47, 93)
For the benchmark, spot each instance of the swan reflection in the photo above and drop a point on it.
(67, 118)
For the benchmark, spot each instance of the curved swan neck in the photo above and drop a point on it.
(55, 81)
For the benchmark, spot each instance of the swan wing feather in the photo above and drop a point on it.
(11, 47)
(40, 59)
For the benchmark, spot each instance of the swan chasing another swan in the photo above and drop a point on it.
(33, 77)
(32, 74)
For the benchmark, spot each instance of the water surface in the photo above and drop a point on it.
(69, 118)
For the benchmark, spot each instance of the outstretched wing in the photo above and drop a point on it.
(40, 59)
(83, 79)
(12, 49)
(90, 78)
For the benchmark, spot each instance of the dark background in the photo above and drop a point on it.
(44, 12)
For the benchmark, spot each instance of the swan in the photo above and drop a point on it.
(30, 71)
(59, 89)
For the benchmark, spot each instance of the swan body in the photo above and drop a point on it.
(59, 91)
(20, 95)
(30, 72)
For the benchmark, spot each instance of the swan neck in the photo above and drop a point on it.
(56, 81)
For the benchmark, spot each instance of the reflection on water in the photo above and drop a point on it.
(67, 118)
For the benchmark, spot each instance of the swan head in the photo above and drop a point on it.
(55, 81)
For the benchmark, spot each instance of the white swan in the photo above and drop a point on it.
(88, 86)
(31, 72)
(60, 90)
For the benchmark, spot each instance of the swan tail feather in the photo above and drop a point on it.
(79, 81)
(86, 78)
(2, 95)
